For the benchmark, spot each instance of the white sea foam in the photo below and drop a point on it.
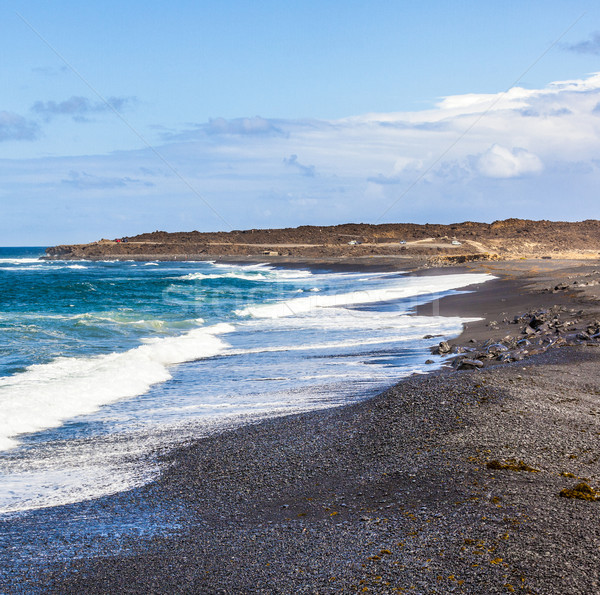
(299, 274)
(114, 317)
(81, 472)
(257, 272)
(292, 274)
(247, 267)
(34, 264)
(404, 288)
(47, 394)
(346, 319)
(264, 272)
(228, 275)
(19, 261)
(32, 267)
(400, 329)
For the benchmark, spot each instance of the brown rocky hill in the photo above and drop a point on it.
(511, 238)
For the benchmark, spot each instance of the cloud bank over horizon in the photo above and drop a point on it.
(530, 153)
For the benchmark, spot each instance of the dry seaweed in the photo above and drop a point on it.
(511, 466)
(582, 491)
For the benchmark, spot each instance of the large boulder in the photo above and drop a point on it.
(469, 364)
(443, 348)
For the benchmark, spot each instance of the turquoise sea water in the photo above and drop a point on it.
(103, 362)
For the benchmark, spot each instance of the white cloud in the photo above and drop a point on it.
(500, 162)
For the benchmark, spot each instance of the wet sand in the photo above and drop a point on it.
(394, 494)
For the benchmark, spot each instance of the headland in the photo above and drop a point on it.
(431, 244)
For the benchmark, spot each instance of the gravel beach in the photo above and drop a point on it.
(448, 482)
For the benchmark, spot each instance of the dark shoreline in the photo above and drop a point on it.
(392, 492)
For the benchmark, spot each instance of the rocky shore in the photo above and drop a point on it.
(537, 332)
(477, 480)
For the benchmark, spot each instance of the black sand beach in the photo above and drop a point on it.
(446, 483)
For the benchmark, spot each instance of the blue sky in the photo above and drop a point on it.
(123, 117)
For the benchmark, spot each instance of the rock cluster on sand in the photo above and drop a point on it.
(536, 332)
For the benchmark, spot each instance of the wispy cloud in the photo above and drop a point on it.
(589, 46)
(243, 126)
(237, 127)
(50, 70)
(16, 127)
(80, 108)
(305, 170)
(84, 180)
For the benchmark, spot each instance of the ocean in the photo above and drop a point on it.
(105, 364)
